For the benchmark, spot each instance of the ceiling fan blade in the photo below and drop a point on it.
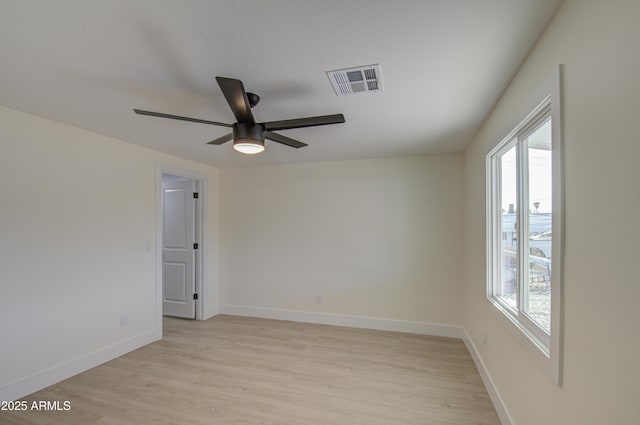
(237, 99)
(284, 139)
(304, 122)
(222, 139)
(177, 117)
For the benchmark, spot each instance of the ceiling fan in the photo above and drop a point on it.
(248, 135)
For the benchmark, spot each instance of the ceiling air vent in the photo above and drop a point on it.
(360, 79)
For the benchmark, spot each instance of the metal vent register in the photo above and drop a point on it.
(360, 79)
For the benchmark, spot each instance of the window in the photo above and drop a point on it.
(523, 231)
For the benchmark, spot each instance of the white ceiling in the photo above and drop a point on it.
(444, 65)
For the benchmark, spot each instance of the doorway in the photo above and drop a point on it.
(181, 235)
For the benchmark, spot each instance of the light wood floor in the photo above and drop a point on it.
(236, 370)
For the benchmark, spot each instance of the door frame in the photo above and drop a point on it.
(201, 230)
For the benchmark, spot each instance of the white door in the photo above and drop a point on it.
(178, 253)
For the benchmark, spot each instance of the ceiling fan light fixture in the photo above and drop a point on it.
(248, 138)
(248, 146)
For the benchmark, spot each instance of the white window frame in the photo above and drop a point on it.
(545, 347)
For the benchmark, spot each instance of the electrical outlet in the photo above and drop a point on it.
(147, 246)
(124, 320)
(318, 299)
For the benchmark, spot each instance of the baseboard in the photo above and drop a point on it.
(39, 380)
(496, 399)
(210, 312)
(421, 328)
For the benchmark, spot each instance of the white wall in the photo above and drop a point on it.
(76, 209)
(598, 44)
(374, 238)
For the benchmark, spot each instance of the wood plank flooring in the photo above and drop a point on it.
(237, 370)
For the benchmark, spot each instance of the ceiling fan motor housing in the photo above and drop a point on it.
(247, 131)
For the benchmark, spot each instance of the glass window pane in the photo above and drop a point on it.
(508, 241)
(537, 290)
